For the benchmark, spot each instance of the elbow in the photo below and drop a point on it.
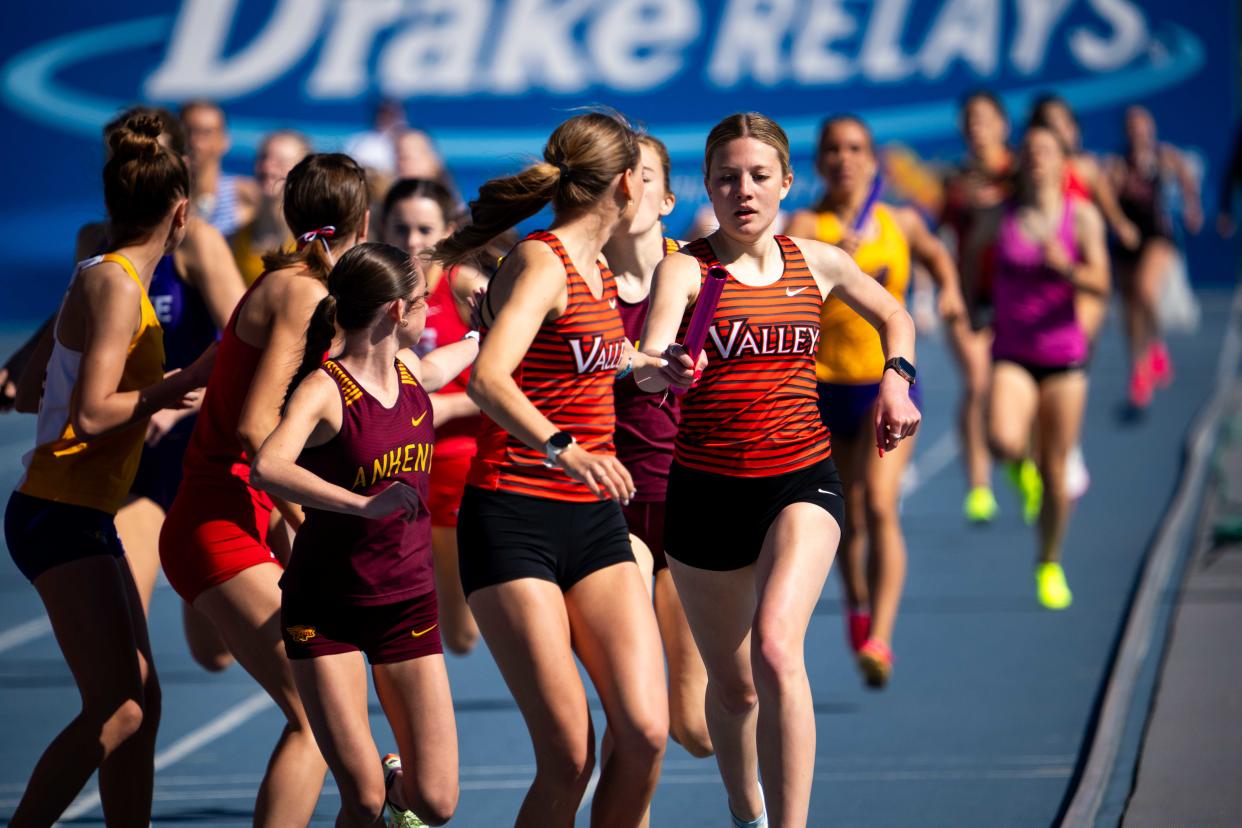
(260, 468)
(250, 440)
(87, 425)
(479, 389)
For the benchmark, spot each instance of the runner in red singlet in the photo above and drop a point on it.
(754, 502)
(214, 543)
(546, 562)
(417, 215)
(646, 428)
(356, 448)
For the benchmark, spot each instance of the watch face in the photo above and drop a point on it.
(560, 440)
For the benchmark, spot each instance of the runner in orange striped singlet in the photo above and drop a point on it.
(754, 501)
(546, 563)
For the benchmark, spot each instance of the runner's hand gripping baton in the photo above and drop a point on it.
(704, 310)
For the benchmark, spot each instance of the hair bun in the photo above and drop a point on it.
(138, 137)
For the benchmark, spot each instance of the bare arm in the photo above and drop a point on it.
(208, 265)
(314, 416)
(1105, 195)
(293, 304)
(438, 368)
(1091, 275)
(21, 378)
(926, 248)
(674, 288)
(112, 300)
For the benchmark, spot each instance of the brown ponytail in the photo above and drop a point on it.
(325, 190)
(581, 159)
(367, 277)
(142, 178)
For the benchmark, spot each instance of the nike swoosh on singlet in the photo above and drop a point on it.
(612, 303)
(792, 292)
(417, 634)
(417, 421)
(822, 491)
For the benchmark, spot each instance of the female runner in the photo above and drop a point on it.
(978, 186)
(355, 448)
(1048, 246)
(417, 215)
(1139, 178)
(105, 378)
(214, 544)
(754, 501)
(850, 367)
(546, 562)
(646, 427)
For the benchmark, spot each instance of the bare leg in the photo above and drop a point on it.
(1062, 400)
(797, 554)
(457, 625)
(687, 677)
(851, 457)
(973, 350)
(720, 607)
(334, 691)
(886, 565)
(616, 638)
(96, 615)
(416, 698)
(527, 630)
(138, 524)
(246, 611)
(1012, 409)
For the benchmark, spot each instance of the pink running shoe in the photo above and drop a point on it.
(858, 626)
(1141, 386)
(1160, 365)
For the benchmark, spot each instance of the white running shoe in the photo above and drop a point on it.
(394, 817)
(1077, 478)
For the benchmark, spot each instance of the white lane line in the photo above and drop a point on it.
(589, 793)
(28, 631)
(929, 463)
(227, 721)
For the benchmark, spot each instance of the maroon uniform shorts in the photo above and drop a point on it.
(385, 633)
(646, 522)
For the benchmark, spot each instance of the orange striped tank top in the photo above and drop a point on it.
(753, 412)
(568, 373)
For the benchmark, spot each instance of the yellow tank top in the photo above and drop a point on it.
(95, 473)
(849, 348)
(248, 256)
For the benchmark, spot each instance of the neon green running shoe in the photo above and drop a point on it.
(394, 817)
(1025, 478)
(1050, 586)
(980, 505)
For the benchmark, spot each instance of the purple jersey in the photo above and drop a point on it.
(364, 561)
(646, 423)
(1034, 321)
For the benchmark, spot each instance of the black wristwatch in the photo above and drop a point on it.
(903, 368)
(555, 446)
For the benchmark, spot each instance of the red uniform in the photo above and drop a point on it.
(456, 440)
(341, 562)
(568, 374)
(217, 525)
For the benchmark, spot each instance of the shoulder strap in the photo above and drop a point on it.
(350, 391)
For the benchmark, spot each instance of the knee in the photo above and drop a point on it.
(778, 654)
(215, 661)
(433, 807)
(460, 642)
(365, 809)
(736, 697)
(642, 740)
(1005, 447)
(692, 736)
(881, 509)
(567, 767)
(116, 722)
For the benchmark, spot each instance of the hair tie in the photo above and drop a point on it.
(322, 234)
(563, 167)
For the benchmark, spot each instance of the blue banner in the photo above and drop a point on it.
(490, 78)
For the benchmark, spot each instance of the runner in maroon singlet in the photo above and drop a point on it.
(355, 449)
(646, 429)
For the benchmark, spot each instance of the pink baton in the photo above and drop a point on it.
(704, 310)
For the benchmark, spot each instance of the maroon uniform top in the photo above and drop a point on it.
(646, 423)
(369, 561)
